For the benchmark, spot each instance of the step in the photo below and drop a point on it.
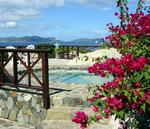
(60, 118)
(66, 124)
(62, 112)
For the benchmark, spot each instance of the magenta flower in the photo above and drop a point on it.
(115, 103)
(95, 109)
(136, 85)
(82, 118)
(98, 117)
(147, 94)
(107, 110)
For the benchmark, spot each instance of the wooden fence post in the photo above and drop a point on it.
(68, 52)
(15, 69)
(78, 50)
(29, 72)
(1, 71)
(45, 79)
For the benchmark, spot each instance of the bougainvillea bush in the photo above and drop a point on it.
(127, 96)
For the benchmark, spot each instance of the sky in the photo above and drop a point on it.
(64, 19)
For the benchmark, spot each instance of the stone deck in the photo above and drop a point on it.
(7, 124)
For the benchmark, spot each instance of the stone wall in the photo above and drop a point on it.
(22, 107)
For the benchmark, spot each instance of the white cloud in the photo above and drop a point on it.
(95, 2)
(104, 5)
(10, 24)
(106, 8)
(98, 4)
(14, 10)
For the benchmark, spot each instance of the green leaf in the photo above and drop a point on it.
(121, 114)
(142, 94)
(124, 37)
(146, 75)
(107, 75)
(143, 106)
(135, 99)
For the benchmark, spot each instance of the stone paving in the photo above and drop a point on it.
(66, 124)
(48, 124)
(7, 124)
(60, 118)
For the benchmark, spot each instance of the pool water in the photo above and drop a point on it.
(76, 77)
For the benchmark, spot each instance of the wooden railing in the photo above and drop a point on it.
(68, 51)
(14, 56)
(15, 59)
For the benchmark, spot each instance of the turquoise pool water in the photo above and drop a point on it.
(76, 77)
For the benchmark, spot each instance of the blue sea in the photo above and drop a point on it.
(3, 44)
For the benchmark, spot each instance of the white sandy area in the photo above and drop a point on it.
(110, 53)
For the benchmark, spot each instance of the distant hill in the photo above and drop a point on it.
(27, 40)
(85, 42)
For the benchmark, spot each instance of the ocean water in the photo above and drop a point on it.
(3, 44)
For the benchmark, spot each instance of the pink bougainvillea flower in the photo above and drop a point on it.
(82, 118)
(98, 118)
(136, 85)
(107, 110)
(95, 108)
(147, 94)
(91, 100)
(115, 103)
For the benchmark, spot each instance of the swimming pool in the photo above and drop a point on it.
(76, 77)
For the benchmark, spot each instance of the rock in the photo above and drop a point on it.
(5, 112)
(33, 120)
(13, 115)
(1, 91)
(38, 107)
(26, 119)
(57, 101)
(85, 104)
(1, 103)
(58, 115)
(20, 117)
(39, 126)
(13, 94)
(26, 106)
(27, 97)
(9, 103)
(20, 98)
(7, 93)
(34, 112)
(3, 96)
(19, 104)
(33, 101)
(70, 101)
(28, 112)
(0, 111)
(39, 99)
(42, 115)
